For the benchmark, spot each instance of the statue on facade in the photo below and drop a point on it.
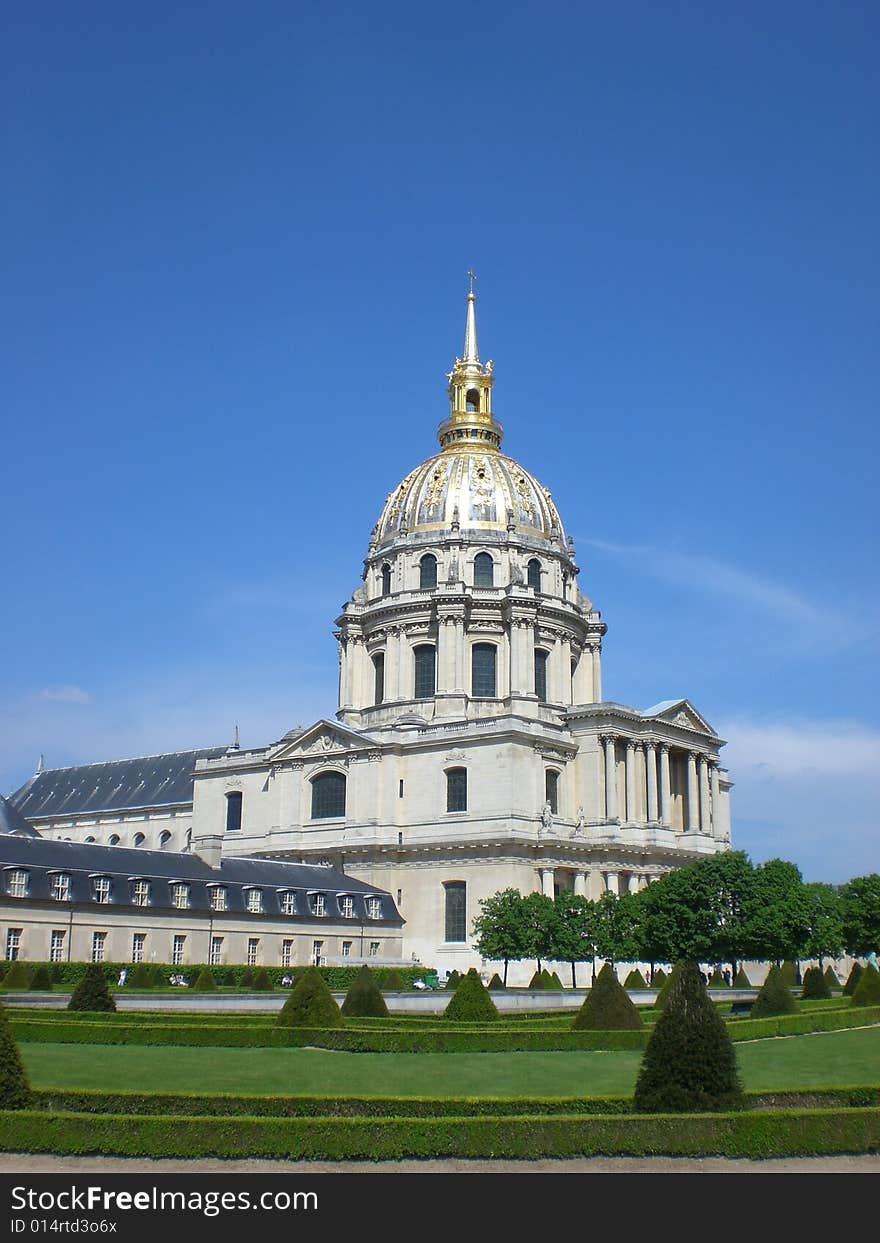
(546, 818)
(579, 823)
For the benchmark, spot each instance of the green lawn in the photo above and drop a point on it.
(835, 1058)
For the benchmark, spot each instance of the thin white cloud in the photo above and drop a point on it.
(64, 695)
(800, 748)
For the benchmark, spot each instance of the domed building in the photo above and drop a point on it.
(472, 748)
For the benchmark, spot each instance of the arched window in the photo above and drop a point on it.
(428, 572)
(113, 839)
(90, 839)
(233, 811)
(425, 659)
(472, 399)
(484, 570)
(456, 789)
(483, 669)
(386, 579)
(541, 674)
(551, 789)
(534, 573)
(164, 839)
(138, 839)
(456, 910)
(379, 677)
(328, 796)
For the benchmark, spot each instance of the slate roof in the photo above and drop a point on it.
(83, 861)
(12, 821)
(115, 785)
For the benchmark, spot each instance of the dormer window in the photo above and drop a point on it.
(255, 901)
(101, 888)
(218, 897)
(346, 906)
(61, 887)
(140, 893)
(374, 908)
(319, 904)
(288, 902)
(180, 895)
(17, 883)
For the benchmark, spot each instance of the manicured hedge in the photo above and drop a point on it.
(746, 1134)
(69, 974)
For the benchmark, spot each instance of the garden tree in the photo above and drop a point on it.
(790, 973)
(658, 979)
(574, 930)
(717, 980)
(860, 914)
(777, 920)
(140, 977)
(262, 981)
(742, 980)
(689, 1063)
(501, 928)
(868, 988)
(41, 979)
(830, 976)
(540, 924)
(663, 995)
(852, 980)
(393, 981)
(471, 1002)
(453, 980)
(824, 937)
(364, 998)
(615, 922)
(635, 979)
(607, 1006)
(247, 978)
(15, 1091)
(310, 1004)
(496, 984)
(815, 986)
(205, 982)
(92, 992)
(18, 976)
(774, 996)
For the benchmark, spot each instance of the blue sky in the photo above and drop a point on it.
(234, 275)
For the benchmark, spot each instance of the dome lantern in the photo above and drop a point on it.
(470, 393)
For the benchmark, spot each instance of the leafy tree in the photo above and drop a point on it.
(471, 1002)
(574, 930)
(205, 982)
(502, 929)
(815, 986)
(852, 980)
(778, 912)
(689, 1063)
(540, 923)
(364, 997)
(860, 914)
(868, 988)
(615, 927)
(92, 992)
(15, 1091)
(607, 1007)
(774, 996)
(824, 937)
(310, 1004)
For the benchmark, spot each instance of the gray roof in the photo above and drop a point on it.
(12, 821)
(82, 861)
(115, 785)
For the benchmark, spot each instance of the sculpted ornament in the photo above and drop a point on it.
(546, 818)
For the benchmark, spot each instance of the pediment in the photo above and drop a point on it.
(683, 713)
(324, 738)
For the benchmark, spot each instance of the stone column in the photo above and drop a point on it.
(582, 682)
(547, 882)
(517, 658)
(651, 778)
(344, 675)
(445, 656)
(596, 653)
(459, 655)
(405, 689)
(612, 882)
(580, 884)
(565, 669)
(631, 809)
(716, 800)
(392, 688)
(610, 777)
(693, 799)
(665, 787)
(358, 654)
(705, 814)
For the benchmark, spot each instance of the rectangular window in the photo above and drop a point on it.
(61, 887)
(255, 901)
(288, 903)
(425, 661)
(180, 896)
(233, 811)
(99, 941)
(374, 908)
(456, 789)
(483, 670)
(374, 949)
(456, 902)
(287, 953)
(56, 945)
(177, 947)
(379, 686)
(215, 954)
(346, 949)
(399, 896)
(541, 674)
(218, 898)
(13, 944)
(317, 953)
(346, 907)
(140, 893)
(101, 888)
(17, 883)
(318, 904)
(253, 951)
(138, 941)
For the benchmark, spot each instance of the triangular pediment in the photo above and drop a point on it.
(680, 712)
(323, 738)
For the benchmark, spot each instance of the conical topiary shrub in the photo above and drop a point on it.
(92, 992)
(496, 984)
(607, 1006)
(15, 1091)
(537, 980)
(247, 978)
(815, 986)
(852, 980)
(393, 981)
(158, 977)
(660, 999)
(689, 1063)
(364, 998)
(140, 976)
(262, 982)
(310, 1004)
(790, 973)
(18, 976)
(742, 980)
(471, 1002)
(635, 979)
(774, 997)
(831, 977)
(452, 980)
(868, 988)
(556, 982)
(205, 982)
(41, 981)
(659, 978)
(717, 980)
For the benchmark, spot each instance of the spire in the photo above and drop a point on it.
(41, 763)
(470, 327)
(234, 745)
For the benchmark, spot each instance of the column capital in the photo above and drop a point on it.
(650, 744)
(663, 748)
(631, 744)
(608, 738)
